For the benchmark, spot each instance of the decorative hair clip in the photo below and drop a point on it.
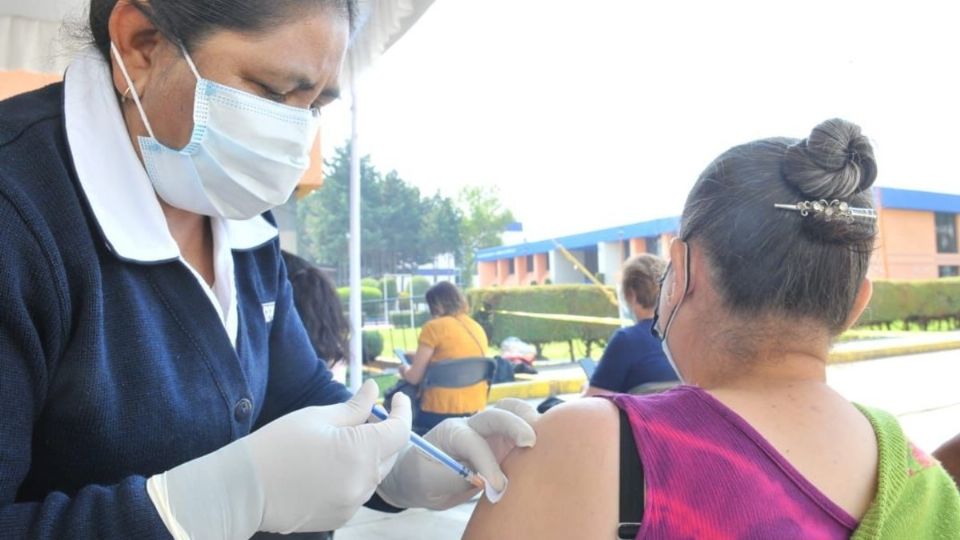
(829, 211)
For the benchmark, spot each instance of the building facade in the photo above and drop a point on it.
(917, 240)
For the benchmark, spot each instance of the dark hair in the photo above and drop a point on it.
(189, 21)
(641, 278)
(319, 307)
(445, 298)
(769, 261)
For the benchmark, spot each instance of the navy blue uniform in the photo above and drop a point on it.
(113, 370)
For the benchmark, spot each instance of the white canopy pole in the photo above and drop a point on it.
(356, 314)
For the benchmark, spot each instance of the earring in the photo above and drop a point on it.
(126, 94)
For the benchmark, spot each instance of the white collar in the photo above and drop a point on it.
(113, 178)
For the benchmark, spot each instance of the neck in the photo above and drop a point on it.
(755, 354)
(641, 313)
(193, 236)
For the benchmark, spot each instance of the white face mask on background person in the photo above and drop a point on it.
(245, 156)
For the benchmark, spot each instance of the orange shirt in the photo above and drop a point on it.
(454, 337)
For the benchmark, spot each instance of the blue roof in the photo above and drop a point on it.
(637, 230)
(907, 199)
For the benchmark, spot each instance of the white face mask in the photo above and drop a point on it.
(663, 335)
(245, 156)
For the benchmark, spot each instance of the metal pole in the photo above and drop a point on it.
(356, 320)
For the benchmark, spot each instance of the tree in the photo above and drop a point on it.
(484, 220)
(441, 226)
(400, 229)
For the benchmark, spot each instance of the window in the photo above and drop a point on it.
(512, 267)
(950, 271)
(653, 245)
(946, 232)
(625, 249)
(529, 263)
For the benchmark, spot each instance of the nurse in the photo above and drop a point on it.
(155, 378)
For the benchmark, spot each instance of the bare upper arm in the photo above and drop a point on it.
(418, 368)
(566, 486)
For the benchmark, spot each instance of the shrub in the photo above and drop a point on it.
(390, 284)
(371, 300)
(419, 285)
(921, 302)
(372, 345)
(488, 305)
(371, 283)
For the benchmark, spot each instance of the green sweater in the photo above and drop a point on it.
(916, 499)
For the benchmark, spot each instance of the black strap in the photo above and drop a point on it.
(631, 482)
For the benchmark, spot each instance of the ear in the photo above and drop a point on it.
(678, 265)
(137, 41)
(860, 302)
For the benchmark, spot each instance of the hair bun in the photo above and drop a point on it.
(834, 162)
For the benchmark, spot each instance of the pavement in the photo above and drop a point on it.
(920, 389)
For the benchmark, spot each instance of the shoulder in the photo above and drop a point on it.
(575, 464)
(24, 111)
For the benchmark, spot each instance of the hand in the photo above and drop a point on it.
(481, 442)
(308, 471)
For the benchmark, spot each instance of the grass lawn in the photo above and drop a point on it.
(406, 339)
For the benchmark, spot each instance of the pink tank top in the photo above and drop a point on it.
(710, 475)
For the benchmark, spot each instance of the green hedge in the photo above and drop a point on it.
(401, 319)
(371, 299)
(419, 284)
(583, 300)
(918, 301)
(372, 342)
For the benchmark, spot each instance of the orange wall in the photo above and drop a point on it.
(540, 272)
(907, 246)
(486, 273)
(18, 82)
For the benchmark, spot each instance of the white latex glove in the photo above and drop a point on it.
(308, 471)
(480, 442)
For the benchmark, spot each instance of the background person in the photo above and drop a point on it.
(756, 445)
(450, 335)
(156, 378)
(319, 307)
(633, 356)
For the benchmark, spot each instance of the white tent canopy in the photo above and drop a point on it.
(40, 35)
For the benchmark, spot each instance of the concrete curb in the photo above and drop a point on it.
(843, 357)
(543, 388)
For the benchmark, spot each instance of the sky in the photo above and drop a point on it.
(595, 114)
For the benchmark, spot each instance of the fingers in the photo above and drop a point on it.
(354, 412)
(465, 444)
(496, 421)
(390, 435)
(520, 408)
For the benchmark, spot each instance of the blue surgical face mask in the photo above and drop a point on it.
(245, 156)
(662, 335)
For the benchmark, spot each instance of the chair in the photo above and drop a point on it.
(653, 387)
(458, 373)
